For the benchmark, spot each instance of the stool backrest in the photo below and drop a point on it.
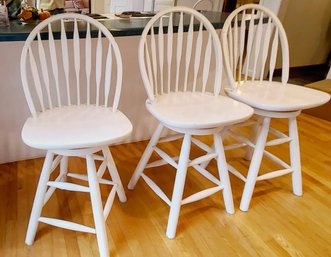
(180, 50)
(251, 47)
(70, 59)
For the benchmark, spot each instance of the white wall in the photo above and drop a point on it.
(308, 27)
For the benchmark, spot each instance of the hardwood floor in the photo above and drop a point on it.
(277, 224)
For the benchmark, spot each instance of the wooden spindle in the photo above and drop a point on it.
(88, 62)
(257, 41)
(65, 59)
(273, 55)
(265, 47)
(44, 69)
(169, 49)
(179, 49)
(198, 50)
(54, 62)
(161, 53)
(251, 33)
(189, 43)
(36, 79)
(77, 59)
(242, 44)
(98, 69)
(206, 66)
(108, 72)
(154, 58)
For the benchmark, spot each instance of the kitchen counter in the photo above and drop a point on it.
(119, 27)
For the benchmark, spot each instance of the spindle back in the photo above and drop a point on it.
(70, 59)
(180, 50)
(251, 47)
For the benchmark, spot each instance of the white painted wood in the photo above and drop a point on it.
(273, 56)
(54, 62)
(169, 49)
(145, 157)
(270, 99)
(206, 67)
(202, 159)
(99, 222)
(98, 63)
(65, 60)
(113, 172)
(108, 75)
(257, 42)
(201, 194)
(255, 165)
(154, 62)
(223, 173)
(178, 190)
(188, 50)
(207, 174)
(165, 157)
(198, 50)
(190, 105)
(265, 47)
(36, 79)
(67, 225)
(51, 190)
(68, 186)
(88, 62)
(109, 202)
(236, 173)
(179, 48)
(295, 157)
(202, 145)
(44, 69)
(157, 190)
(64, 129)
(161, 53)
(274, 174)
(39, 199)
(102, 169)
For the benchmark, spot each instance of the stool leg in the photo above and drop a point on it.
(177, 194)
(97, 209)
(255, 165)
(145, 157)
(64, 168)
(223, 173)
(295, 157)
(38, 202)
(114, 174)
(254, 134)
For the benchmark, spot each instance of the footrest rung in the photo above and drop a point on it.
(235, 172)
(157, 190)
(201, 159)
(84, 178)
(68, 186)
(67, 225)
(201, 194)
(278, 141)
(274, 174)
(234, 146)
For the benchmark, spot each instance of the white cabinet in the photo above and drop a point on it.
(117, 6)
(157, 5)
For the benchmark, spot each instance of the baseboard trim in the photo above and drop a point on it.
(297, 71)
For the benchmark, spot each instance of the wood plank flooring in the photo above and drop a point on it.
(277, 224)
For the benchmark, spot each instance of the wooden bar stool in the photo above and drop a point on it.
(182, 78)
(72, 84)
